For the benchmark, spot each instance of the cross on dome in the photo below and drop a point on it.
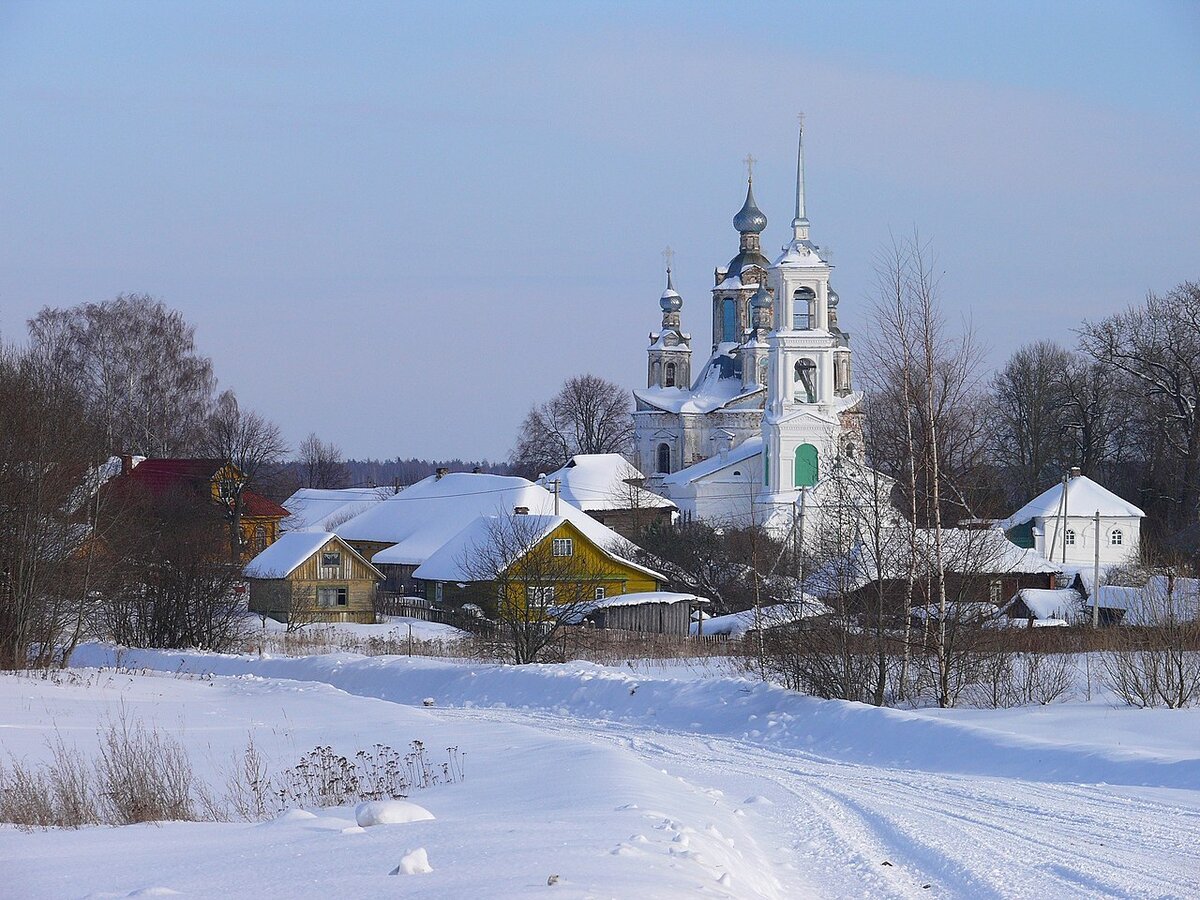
(749, 161)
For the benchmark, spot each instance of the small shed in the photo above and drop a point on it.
(312, 576)
(1042, 607)
(647, 612)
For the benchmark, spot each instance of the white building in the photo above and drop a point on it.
(1060, 524)
(773, 406)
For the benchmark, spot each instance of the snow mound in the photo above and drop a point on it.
(390, 812)
(415, 862)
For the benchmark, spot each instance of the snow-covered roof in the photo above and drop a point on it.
(1052, 603)
(963, 550)
(421, 518)
(320, 509)
(288, 553)
(800, 253)
(597, 481)
(470, 555)
(714, 389)
(736, 624)
(641, 597)
(747, 449)
(1154, 601)
(1084, 498)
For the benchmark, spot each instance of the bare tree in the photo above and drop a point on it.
(321, 464)
(587, 415)
(1156, 346)
(534, 591)
(252, 444)
(138, 369)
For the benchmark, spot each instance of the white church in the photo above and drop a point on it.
(766, 416)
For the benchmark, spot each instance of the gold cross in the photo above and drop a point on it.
(749, 161)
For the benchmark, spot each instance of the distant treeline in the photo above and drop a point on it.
(389, 472)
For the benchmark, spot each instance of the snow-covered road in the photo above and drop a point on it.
(857, 830)
(631, 785)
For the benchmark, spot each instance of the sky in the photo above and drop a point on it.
(401, 224)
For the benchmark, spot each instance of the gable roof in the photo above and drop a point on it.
(317, 509)
(292, 549)
(1084, 497)
(598, 481)
(747, 449)
(157, 477)
(450, 561)
(1051, 603)
(421, 518)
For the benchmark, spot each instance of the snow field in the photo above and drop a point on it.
(533, 805)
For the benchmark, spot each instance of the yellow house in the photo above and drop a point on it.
(531, 562)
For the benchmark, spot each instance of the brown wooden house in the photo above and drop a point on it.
(313, 576)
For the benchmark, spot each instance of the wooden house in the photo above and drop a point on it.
(210, 481)
(313, 576)
(527, 560)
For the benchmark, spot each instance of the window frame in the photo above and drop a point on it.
(341, 596)
(326, 564)
(562, 548)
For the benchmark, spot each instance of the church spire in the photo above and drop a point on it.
(800, 223)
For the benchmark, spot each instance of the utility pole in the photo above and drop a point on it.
(1096, 577)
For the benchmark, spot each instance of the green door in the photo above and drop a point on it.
(806, 465)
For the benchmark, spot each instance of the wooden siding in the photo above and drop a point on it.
(647, 618)
(278, 597)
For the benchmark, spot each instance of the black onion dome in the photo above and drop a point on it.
(750, 219)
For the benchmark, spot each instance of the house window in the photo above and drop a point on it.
(539, 595)
(802, 302)
(260, 538)
(664, 458)
(331, 559)
(600, 593)
(804, 386)
(332, 596)
(670, 370)
(995, 589)
(1116, 538)
(564, 547)
(438, 591)
(1069, 537)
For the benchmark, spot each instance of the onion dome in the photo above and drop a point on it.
(833, 299)
(750, 219)
(670, 300)
(761, 298)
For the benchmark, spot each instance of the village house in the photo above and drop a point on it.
(403, 531)
(205, 480)
(312, 576)
(608, 488)
(524, 560)
(1061, 525)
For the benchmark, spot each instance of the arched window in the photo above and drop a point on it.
(260, 539)
(670, 377)
(656, 373)
(803, 301)
(664, 458)
(762, 371)
(807, 468)
(766, 466)
(729, 320)
(1069, 537)
(804, 387)
(1116, 538)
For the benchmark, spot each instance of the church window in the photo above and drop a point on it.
(1116, 538)
(664, 458)
(766, 467)
(729, 320)
(762, 371)
(670, 378)
(1069, 537)
(656, 373)
(803, 301)
(804, 388)
(807, 469)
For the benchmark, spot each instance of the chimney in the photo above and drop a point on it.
(442, 472)
(520, 510)
(126, 463)
(1075, 472)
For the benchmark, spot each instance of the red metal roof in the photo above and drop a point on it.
(157, 476)
(263, 507)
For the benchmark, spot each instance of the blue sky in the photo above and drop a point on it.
(399, 225)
